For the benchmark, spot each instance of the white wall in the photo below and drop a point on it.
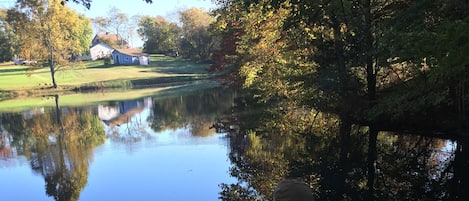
(100, 51)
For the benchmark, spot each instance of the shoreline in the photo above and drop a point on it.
(99, 86)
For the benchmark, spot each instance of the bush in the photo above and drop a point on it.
(107, 61)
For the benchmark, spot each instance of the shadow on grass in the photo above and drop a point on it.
(164, 80)
(21, 71)
(178, 65)
(10, 70)
(101, 66)
(160, 64)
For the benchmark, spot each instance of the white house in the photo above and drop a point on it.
(100, 50)
(102, 45)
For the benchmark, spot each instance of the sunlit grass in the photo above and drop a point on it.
(78, 99)
(14, 77)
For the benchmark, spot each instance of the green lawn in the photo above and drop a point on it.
(17, 78)
(78, 99)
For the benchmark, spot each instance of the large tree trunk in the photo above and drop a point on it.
(368, 38)
(52, 70)
(459, 181)
(371, 163)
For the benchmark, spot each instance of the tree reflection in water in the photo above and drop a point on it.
(338, 162)
(195, 111)
(58, 144)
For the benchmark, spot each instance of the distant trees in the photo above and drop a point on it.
(8, 39)
(115, 22)
(160, 35)
(197, 41)
(48, 31)
(193, 40)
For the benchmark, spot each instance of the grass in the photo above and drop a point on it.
(18, 78)
(79, 99)
(33, 88)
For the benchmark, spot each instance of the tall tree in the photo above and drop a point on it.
(49, 32)
(8, 39)
(159, 35)
(117, 22)
(197, 42)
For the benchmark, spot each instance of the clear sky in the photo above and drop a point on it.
(165, 8)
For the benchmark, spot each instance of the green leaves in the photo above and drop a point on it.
(197, 42)
(159, 34)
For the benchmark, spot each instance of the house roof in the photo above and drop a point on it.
(131, 52)
(113, 38)
(109, 36)
(102, 44)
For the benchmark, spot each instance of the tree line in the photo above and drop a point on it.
(51, 33)
(366, 60)
(376, 62)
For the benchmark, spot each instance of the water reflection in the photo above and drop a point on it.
(57, 148)
(145, 149)
(343, 162)
(59, 145)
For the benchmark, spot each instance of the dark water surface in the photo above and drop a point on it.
(145, 149)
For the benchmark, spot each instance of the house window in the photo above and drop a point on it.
(126, 58)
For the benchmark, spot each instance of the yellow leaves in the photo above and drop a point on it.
(309, 32)
(250, 72)
(51, 27)
(194, 17)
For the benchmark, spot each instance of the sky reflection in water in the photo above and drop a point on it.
(135, 162)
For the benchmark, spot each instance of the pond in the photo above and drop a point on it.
(149, 148)
(189, 147)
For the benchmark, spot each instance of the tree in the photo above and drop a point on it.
(84, 33)
(100, 24)
(159, 35)
(8, 39)
(118, 23)
(49, 32)
(429, 39)
(196, 43)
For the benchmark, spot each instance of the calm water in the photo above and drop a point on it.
(163, 148)
(144, 149)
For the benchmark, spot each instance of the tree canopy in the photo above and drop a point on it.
(197, 41)
(194, 39)
(49, 32)
(8, 39)
(371, 61)
(159, 35)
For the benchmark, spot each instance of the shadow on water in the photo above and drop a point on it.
(342, 161)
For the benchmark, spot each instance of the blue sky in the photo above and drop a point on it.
(165, 8)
